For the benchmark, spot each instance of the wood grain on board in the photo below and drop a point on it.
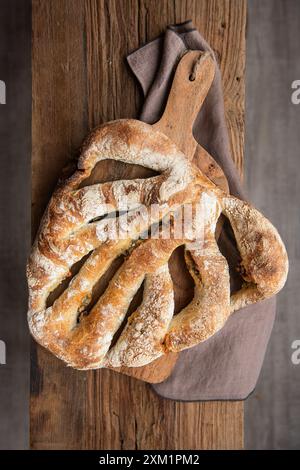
(184, 103)
(80, 80)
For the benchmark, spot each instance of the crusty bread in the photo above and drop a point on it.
(74, 225)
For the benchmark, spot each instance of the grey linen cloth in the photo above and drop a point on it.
(226, 366)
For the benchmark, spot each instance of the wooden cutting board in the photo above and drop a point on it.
(191, 83)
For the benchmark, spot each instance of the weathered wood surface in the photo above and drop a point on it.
(80, 80)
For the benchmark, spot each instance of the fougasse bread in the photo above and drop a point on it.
(75, 225)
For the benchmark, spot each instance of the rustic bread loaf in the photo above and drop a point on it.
(79, 222)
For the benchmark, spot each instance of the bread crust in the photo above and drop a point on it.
(75, 224)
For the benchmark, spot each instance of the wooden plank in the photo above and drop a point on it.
(79, 81)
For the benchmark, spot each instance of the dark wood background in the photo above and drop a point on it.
(273, 179)
(80, 79)
(15, 143)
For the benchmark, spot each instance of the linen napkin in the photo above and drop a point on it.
(226, 366)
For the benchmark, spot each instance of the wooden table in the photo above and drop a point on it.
(80, 80)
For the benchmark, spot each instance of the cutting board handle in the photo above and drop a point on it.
(193, 78)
